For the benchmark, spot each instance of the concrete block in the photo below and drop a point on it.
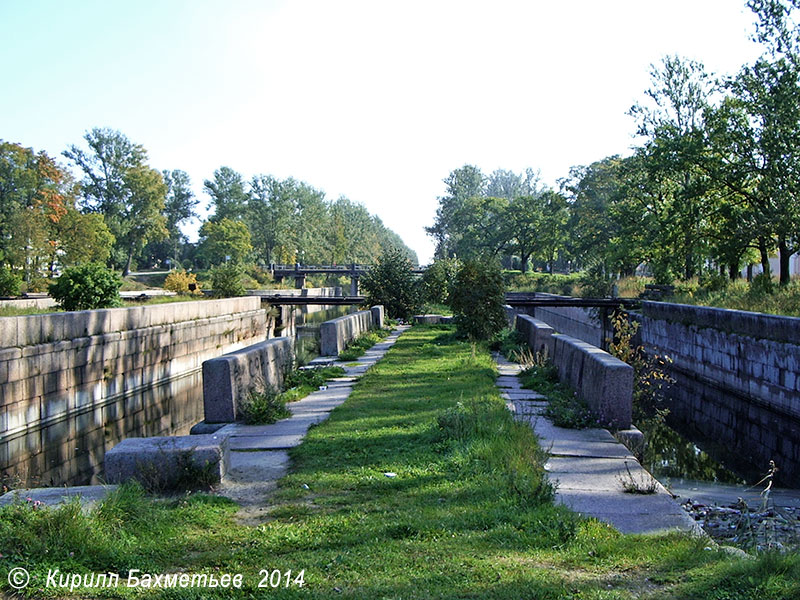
(9, 332)
(377, 316)
(168, 462)
(228, 380)
(335, 334)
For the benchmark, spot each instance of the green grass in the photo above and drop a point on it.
(564, 407)
(467, 515)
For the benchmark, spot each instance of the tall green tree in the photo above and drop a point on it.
(225, 241)
(228, 194)
(118, 184)
(462, 184)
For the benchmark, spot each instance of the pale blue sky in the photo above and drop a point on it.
(376, 101)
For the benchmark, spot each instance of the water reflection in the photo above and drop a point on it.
(307, 328)
(668, 455)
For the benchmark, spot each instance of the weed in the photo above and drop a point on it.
(263, 407)
(643, 483)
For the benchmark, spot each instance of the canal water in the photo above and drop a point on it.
(307, 326)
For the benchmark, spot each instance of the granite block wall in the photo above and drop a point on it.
(74, 384)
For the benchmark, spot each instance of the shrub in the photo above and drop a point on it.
(226, 281)
(263, 407)
(391, 283)
(10, 282)
(180, 282)
(438, 280)
(478, 299)
(87, 286)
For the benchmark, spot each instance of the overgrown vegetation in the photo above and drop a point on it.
(467, 493)
(564, 407)
(181, 282)
(226, 281)
(263, 405)
(362, 343)
(391, 283)
(478, 299)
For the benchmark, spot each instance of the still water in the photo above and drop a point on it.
(307, 328)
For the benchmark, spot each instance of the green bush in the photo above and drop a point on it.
(391, 283)
(179, 281)
(86, 287)
(10, 282)
(478, 300)
(226, 281)
(263, 407)
(438, 280)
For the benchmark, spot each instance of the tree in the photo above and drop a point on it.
(83, 238)
(271, 213)
(390, 282)
(673, 122)
(462, 184)
(477, 300)
(178, 208)
(35, 194)
(119, 185)
(228, 194)
(225, 241)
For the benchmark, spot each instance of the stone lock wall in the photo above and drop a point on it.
(605, 382)
(335, 334)
(72, 385)
(737, 380)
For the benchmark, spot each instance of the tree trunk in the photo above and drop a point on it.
(733, 271)
(762, 248)
(524, 260)
(784, 254)
(127, 268)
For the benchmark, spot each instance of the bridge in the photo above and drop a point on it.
(299, 272)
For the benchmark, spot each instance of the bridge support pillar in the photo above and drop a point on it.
(278, 278)
(354, 285)
(299, 281)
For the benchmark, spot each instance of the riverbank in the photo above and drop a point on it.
(420, 485)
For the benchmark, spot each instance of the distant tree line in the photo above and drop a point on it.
(714, 186)
(125, 213)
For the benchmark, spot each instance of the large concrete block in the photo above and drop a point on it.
(539, 335)
(169, 462)
(334, 334)
(377, 316)
(228, 379)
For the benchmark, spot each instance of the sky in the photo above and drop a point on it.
(377, 101)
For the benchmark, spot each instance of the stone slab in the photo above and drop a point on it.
(336, 333)
(522, 395)
(594, 474)
(89, 495)
(630, 513)
(146, 458)
(547, 432)
(589, 449)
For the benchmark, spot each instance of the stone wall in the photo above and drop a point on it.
(605, 382)
(336, 333)
(737, 379)
(229, 379)
(74, 384)
(583, 323)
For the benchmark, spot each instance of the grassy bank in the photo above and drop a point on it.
(466, 514)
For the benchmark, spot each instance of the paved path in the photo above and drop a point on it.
(260, 453)
(588, 464)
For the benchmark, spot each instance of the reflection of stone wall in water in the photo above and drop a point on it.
(74, 384)
(736, 380)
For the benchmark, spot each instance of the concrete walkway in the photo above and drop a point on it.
(260, 453)
(588, 466)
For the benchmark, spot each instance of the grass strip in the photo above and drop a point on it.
(465, 516)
